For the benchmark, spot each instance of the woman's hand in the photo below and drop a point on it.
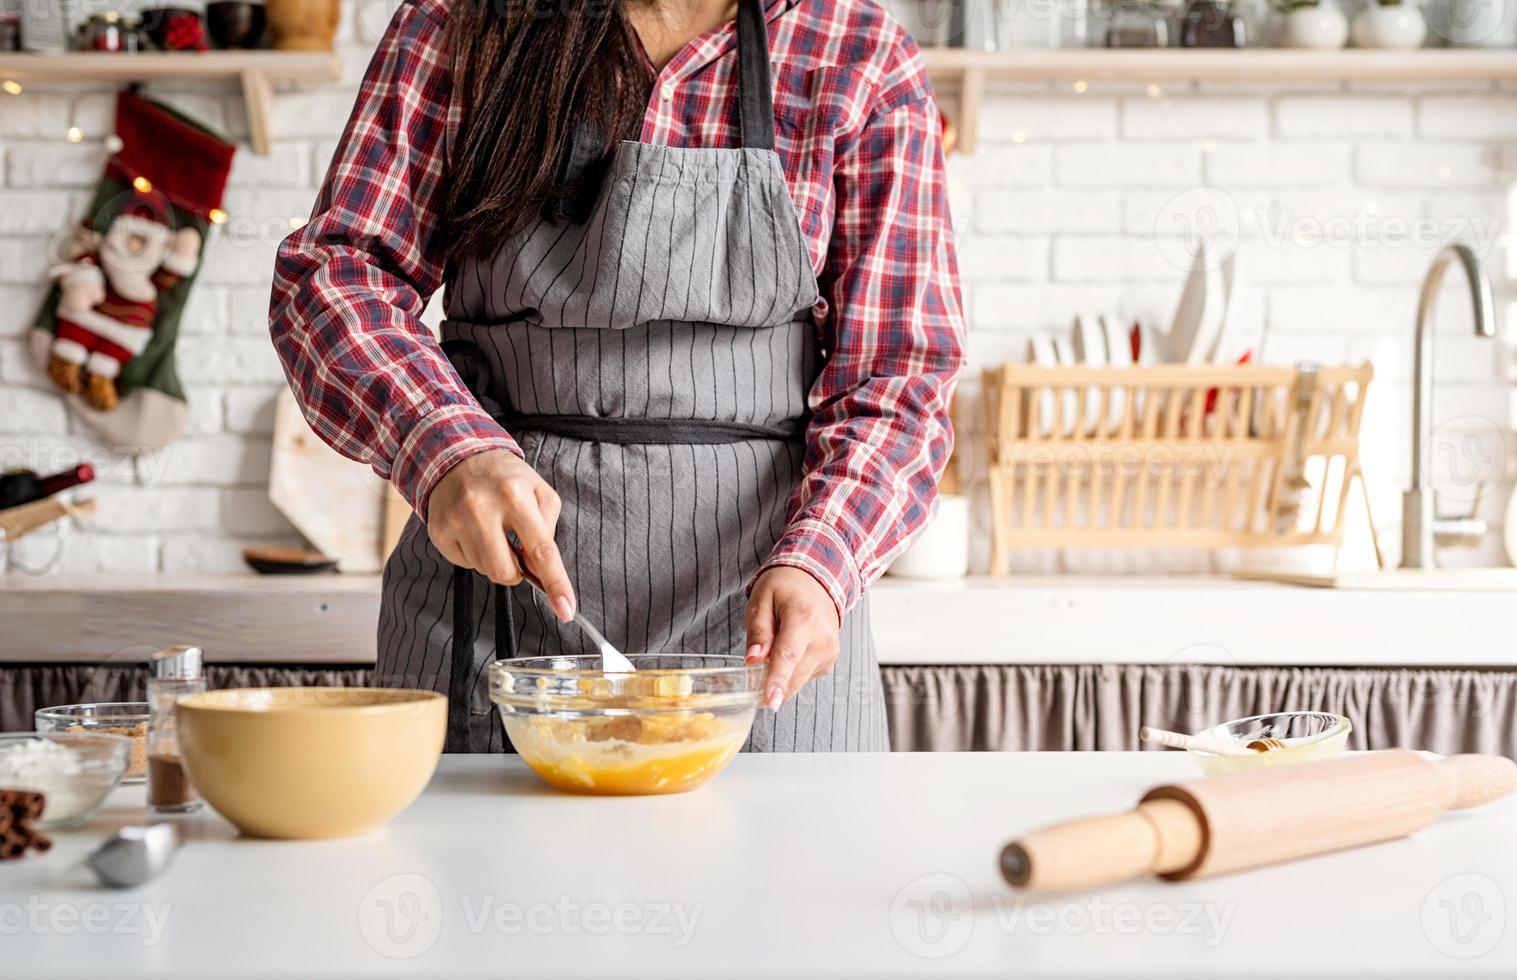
(478, 501)
(792, 623)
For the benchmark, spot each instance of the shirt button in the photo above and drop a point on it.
(666, 90)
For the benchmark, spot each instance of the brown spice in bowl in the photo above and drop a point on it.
(136, 767)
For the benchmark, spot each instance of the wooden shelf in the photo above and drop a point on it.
(256, 71)
(964, 73)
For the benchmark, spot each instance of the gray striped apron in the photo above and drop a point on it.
(652, 357)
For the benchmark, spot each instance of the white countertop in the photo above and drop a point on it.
(331, 619)
(785, 866)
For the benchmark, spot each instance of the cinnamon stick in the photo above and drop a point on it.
(36, 840)
(18, 808)
(25, 804)
(12, 846)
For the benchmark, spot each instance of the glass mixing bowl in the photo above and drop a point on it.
(668, 728)
(76, 772)
(1308, 735)
(128, 718)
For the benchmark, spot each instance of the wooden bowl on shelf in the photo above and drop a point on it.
(304, 25)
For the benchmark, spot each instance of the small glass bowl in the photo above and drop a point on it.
(667, 728)
(1308, 736)
(74, 797)
(128, 718)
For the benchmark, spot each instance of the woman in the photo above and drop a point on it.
(702, 330)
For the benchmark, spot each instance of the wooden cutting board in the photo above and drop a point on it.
(347, 512)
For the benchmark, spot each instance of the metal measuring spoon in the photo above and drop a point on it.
(612, 660)
(134, 855)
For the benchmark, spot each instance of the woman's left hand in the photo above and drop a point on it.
(792, 623)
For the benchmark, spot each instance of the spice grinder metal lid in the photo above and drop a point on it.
(181, 663)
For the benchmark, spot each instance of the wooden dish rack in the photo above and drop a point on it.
(1170, 456)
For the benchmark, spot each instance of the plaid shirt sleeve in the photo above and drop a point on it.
(880, 434)
(350, 287)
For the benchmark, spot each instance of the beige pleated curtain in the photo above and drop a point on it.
(1047, 708)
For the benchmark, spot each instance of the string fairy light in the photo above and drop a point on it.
(12, 87)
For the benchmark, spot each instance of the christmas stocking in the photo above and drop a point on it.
(106, 334)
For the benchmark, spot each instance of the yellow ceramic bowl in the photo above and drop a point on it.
(311, 762)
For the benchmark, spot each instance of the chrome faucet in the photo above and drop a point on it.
(1421, 527)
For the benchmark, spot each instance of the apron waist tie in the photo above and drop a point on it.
(624, 431)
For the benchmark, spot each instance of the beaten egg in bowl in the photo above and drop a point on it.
(668, 728)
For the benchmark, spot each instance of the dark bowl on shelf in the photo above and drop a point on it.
(236, 23)
(287, 561)
(156, 21)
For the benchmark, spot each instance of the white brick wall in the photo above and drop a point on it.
(1344, 194)
(1057, 213)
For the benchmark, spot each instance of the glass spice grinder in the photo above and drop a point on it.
(172, 674)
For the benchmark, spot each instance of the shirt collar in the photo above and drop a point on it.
(719, 43)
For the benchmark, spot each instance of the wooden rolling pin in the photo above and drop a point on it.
(1264, 816)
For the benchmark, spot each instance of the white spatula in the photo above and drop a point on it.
(612, 660)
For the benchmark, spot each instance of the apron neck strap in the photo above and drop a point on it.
(755, 96)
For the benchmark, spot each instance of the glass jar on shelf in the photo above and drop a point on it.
(10, 31)
(1027, 24)
(1212, 24)
(48, 28)
(109, 31)
(1135, 24)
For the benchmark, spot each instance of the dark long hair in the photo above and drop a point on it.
(529, 73)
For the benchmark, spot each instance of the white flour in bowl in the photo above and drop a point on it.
(50, 769)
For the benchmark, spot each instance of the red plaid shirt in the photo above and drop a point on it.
(857, 132)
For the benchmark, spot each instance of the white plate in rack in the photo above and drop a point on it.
(1119, 355)
(1198, 318)
(1040, 351)
(1069, 403)
(1089, 341)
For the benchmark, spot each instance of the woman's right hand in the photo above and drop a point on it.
(479, 501)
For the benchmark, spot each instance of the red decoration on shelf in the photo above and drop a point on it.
(185, 32)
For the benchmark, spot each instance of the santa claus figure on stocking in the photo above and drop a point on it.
(109, 286)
